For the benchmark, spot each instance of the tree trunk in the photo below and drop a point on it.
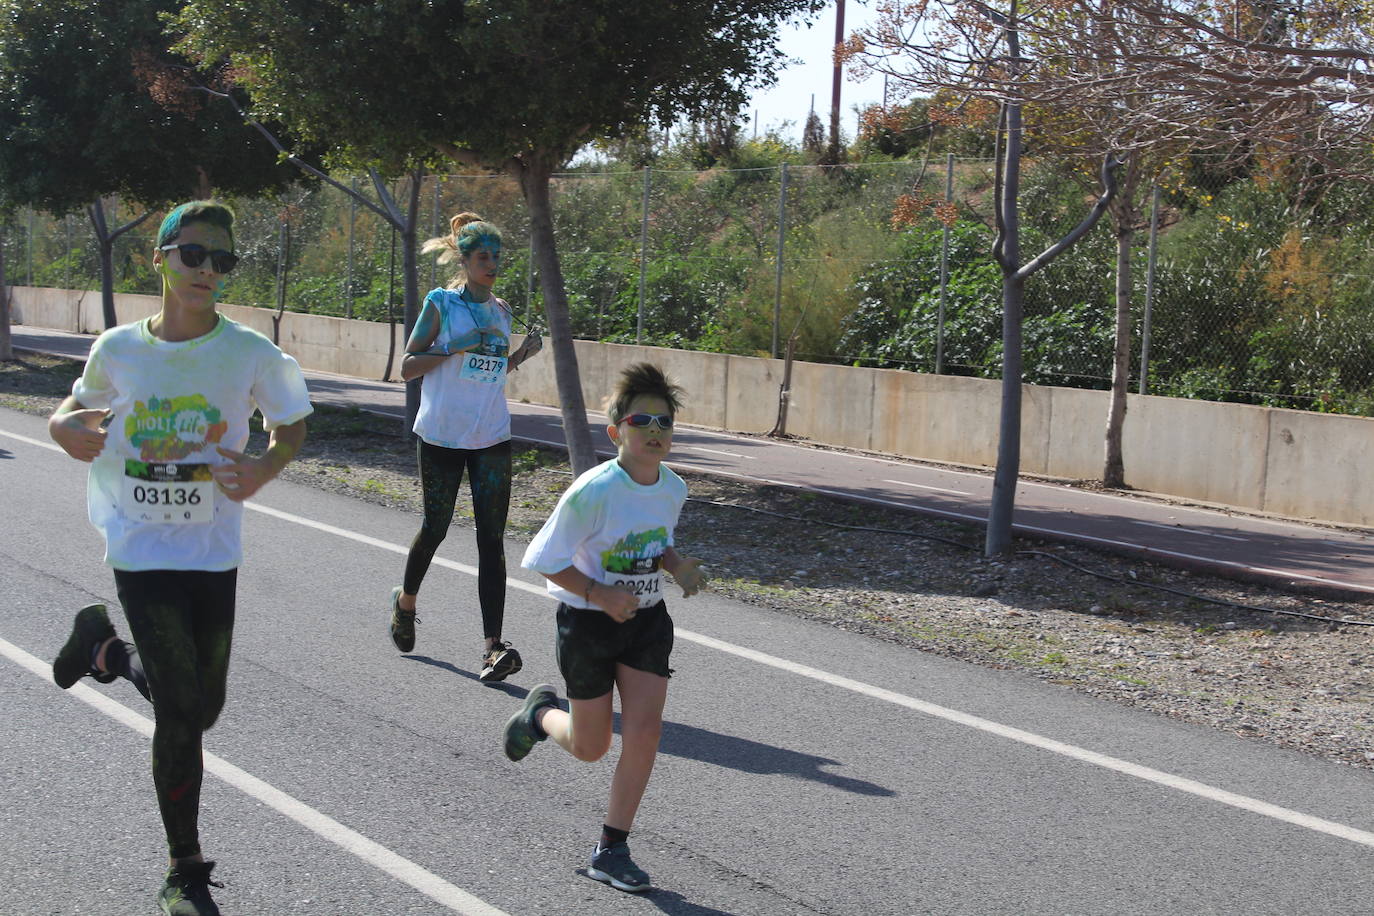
(998, 539)
(96, 212)
(1114, 469)
(1125, 215)
(534, 181)
(106, 239)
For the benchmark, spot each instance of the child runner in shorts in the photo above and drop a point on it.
(166, 487)
(460, 346)
(602, 551)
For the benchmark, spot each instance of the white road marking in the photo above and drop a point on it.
(1183, 529)
(50, 446)
(1159, 777)
(698, 448)
(374, 854)
(1149, 774)
(921, 486)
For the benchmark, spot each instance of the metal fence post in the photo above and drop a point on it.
(67, 227)
(352, 221)
(782, 240)
(643, 256)
(529, 284)
(944, 272)
(434, 264)
(30, 242)
(282, 242)
(1149, 293)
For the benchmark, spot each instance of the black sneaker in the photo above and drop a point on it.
(186, 890)
(91, 627)
(521, 735)
(613, 866)
(402, 623)
(499, 662)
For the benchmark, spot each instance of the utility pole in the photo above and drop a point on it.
(832, 154)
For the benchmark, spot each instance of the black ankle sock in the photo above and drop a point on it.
(612, 835)
(538, 729)
(122, 659)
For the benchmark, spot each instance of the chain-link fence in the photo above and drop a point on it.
(1246, 290)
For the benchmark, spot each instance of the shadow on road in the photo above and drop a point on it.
(671, 902)
(517, 692)
(692, 743)
(747, 756)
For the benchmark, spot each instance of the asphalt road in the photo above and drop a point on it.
(803, 770)
(1270, 550)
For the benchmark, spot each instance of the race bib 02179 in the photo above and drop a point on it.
(478, 367)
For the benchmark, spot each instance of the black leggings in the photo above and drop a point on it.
(441, 473)
(182, 622)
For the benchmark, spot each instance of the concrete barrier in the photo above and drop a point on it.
(1287, 462)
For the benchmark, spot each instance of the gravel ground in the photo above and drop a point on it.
(1127, 630)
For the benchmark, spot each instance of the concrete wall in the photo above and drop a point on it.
(1291, 463)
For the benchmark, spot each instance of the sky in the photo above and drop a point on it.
(811, 73)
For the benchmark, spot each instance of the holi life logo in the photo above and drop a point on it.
(636, 554)
(169, 429)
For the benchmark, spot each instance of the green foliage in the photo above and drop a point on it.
(461, 74)
(79, 121)
(896, 323)
(1259, 296)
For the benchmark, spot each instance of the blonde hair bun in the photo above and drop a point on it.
(461, 220)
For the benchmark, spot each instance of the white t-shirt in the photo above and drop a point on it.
(463, 399)
(149, 491)
(612, 529)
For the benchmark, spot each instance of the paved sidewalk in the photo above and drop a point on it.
(1273, 550)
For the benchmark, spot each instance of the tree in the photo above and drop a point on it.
(1153, 81)
(516, 86)
(975, 50)
(813, 135)
(80, 123)
(1249, 81)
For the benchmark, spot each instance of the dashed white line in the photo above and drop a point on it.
(698, 448)
(921, 486)
(1182, 529)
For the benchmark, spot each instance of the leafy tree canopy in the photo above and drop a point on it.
(78, 121)
(497, 78)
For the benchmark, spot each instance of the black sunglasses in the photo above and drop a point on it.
(194, 256)
(641, 420)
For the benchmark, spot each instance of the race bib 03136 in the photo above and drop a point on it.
(159, 493)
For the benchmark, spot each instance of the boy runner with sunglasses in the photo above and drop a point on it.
(602, 550)
(166, 487)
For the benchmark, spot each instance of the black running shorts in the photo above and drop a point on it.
(590, 645)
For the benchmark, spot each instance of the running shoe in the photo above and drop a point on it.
(186, 890)
(76, 659)
(402, 623)
(499, 662)
(614, 866)
(521, 734)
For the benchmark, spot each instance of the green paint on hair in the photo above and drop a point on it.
(196, 211)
